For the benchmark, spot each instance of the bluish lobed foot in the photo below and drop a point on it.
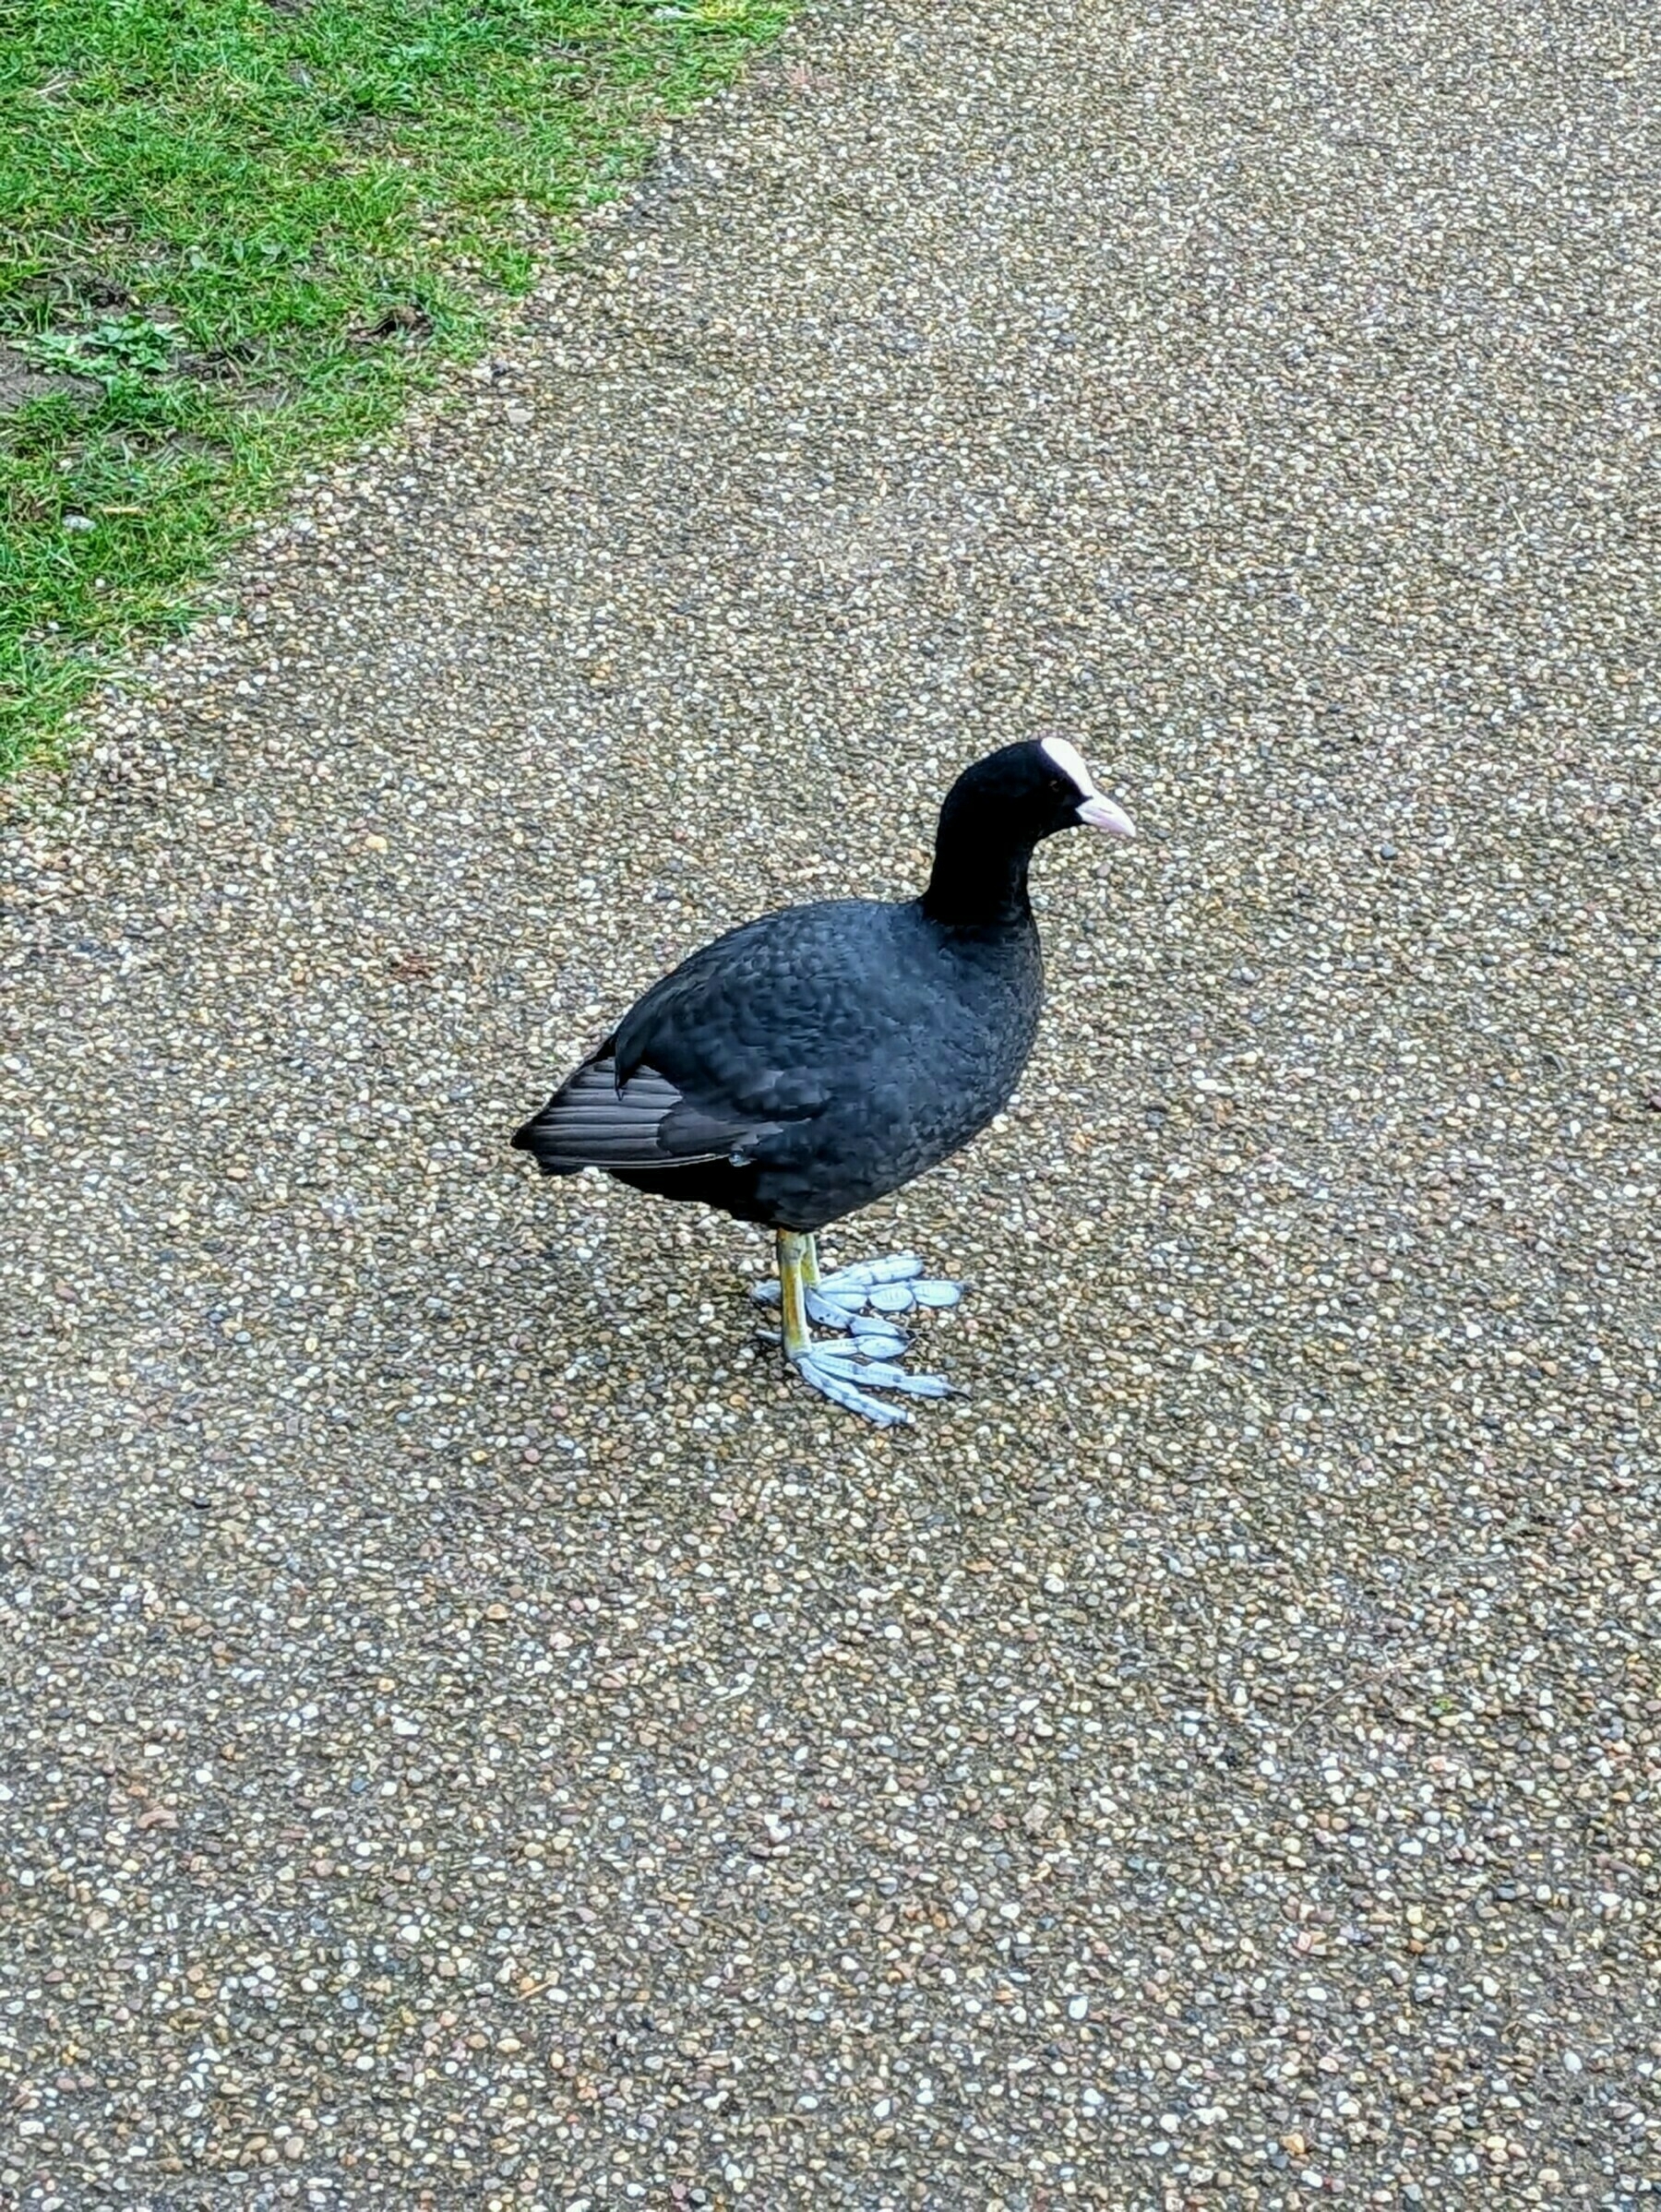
(861, 1302)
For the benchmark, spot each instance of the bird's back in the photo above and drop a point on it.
(812, 1060)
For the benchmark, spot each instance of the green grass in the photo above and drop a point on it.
(249, 227)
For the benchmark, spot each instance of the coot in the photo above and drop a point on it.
(816, 1059)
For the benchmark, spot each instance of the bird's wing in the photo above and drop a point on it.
(748, 1036)
(594, 1120)
(766, 1020)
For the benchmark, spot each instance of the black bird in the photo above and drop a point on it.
(821, 1056)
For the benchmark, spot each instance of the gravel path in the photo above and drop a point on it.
(477, 1739)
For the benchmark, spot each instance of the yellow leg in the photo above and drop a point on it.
(844, 1375)
(793, 1253)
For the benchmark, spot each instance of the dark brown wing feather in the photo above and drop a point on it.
(593, 1121)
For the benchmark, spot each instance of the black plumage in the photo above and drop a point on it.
(804, 1065)
(818, 1058)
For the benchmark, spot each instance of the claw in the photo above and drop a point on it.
(845, 1380)
(833, 1379)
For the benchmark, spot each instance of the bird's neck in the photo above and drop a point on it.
(980, 877)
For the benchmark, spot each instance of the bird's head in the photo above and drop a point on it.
(995, 814)
(1031, 790)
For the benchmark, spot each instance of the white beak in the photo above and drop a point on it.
(1098, 813)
